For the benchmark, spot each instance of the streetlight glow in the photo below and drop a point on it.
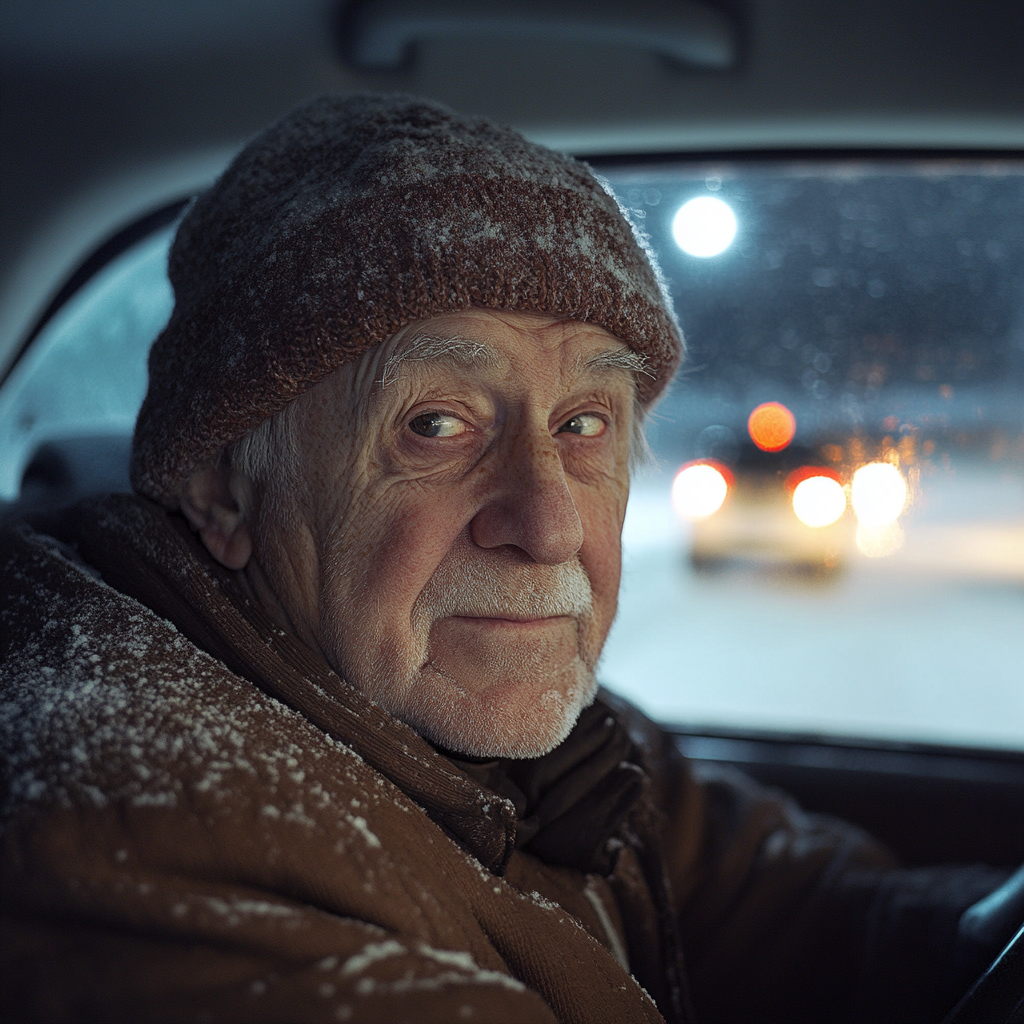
(704, 226)
(771, 426)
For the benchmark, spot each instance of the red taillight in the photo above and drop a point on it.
(798, 476)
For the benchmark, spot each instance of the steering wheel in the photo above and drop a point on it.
(997, 997)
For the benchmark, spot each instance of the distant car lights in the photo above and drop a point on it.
(700, 488)
(704, 226)
(818, 496)
(771, 426)
(878, 491)
(878, 494)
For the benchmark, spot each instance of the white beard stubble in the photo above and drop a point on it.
(534, 704)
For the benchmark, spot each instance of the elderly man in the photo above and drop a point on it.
(308, 729)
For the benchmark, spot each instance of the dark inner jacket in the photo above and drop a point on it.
(780, 915)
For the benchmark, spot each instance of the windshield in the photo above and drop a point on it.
(829, 538)
(883, 306)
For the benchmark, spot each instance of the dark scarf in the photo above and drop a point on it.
(571, 802)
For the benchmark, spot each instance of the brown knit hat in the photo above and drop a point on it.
(352, 217)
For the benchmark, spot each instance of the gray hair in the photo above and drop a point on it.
(269, 450)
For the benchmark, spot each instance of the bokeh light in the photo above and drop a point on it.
(704, 226)
(700, 488)
(878, 494)
(879, 541)
(771, 426)
(819, 500)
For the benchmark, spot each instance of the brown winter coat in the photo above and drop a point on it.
(201, 821)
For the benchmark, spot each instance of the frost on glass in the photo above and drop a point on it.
(85, 374)
(883, 305)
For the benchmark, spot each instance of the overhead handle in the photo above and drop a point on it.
(379, 35)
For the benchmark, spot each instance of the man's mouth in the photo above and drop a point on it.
(511, 620)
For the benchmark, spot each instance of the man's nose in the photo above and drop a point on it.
(531, 507)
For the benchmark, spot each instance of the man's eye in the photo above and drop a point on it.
(587, 424)
(436, 424)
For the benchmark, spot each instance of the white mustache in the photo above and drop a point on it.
(475, 587)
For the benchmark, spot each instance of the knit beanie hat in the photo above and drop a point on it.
(351, 218)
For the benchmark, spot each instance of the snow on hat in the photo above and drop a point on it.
(351, 218)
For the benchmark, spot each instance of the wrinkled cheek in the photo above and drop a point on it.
(375, 649)
(370, 599)
(605, 574)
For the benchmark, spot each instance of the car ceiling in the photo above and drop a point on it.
(112, 108)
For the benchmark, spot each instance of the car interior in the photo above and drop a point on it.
(824, 554)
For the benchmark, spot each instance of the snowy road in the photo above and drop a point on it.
(926, 644)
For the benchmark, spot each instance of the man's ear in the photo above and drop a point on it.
(211, 506)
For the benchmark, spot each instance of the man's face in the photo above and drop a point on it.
(452, 545)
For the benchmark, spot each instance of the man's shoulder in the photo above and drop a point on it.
(104, 701)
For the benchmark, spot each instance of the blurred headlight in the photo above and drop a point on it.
(879, 541)
(878, 494)
(700, 488)
(819, 500)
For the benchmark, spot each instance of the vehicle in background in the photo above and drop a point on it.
(772, 502)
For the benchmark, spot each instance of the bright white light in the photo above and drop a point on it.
(698, 491)
(879, 541)
(878, 494)
(704, 226)
(819, 501)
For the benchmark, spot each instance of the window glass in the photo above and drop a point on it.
(883, 307)
(873, 315)
(85, 373)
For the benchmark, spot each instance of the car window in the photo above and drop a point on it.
(85, 373)
(829, 537)
(882, 305)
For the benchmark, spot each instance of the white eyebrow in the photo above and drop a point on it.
(440, 348)
(467, 352)
(619, 359)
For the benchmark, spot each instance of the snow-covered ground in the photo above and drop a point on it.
(926, 644)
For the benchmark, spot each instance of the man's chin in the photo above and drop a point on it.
(514, 720)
